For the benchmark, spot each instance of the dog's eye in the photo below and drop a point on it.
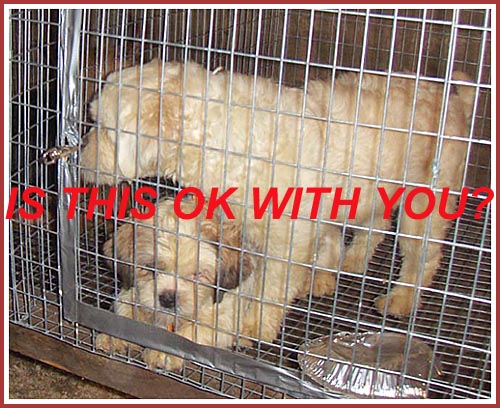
(152, 267)
(156, 268)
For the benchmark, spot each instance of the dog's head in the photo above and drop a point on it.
(140, 114)
(178, 265)
(98, 159)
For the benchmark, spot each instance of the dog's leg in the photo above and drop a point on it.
(268, 321)
(401, 298)
(264, 321)
(328, 258)
(363, 245)
(123, 307)
(216, 326)
(266, 313)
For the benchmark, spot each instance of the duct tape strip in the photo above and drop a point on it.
(220, 359)
(69, 41)
(67, 249)
(69, 63)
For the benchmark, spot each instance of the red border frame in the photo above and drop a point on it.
(257, 2)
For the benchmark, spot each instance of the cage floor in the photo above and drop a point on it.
(454, 320)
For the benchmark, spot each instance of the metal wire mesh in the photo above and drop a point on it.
(292, 47)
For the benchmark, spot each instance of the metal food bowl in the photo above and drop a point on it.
(369, 365)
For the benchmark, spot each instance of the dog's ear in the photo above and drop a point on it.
(129, 262)
(127, 272)
(235, 265)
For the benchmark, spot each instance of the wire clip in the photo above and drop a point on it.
(55, 153)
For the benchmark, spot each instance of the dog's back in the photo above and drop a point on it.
(226, 129)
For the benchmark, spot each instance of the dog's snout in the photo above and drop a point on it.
(168, 299)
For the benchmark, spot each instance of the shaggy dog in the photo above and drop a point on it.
(197, 278)
(225, 129)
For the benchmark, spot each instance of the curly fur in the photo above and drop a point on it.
(230, 130)
(229, 294)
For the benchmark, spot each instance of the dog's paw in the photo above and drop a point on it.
(109, 344)
(154, 359)
(354, 263)
(243, 342)
(399, 301)
(157, 359)
(324, 283)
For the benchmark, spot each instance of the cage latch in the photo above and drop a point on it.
(52, 155)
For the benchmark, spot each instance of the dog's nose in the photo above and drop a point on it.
(168, 299)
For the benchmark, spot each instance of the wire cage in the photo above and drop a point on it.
(292, 47)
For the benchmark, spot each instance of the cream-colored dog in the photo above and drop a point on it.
(194, 275)
(225, 130)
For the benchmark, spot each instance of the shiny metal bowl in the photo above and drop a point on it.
(369, 365)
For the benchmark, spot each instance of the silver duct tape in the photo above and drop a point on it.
(69, 41)
(67, 246)
(220, 359)
(370, 365)
(69, 64)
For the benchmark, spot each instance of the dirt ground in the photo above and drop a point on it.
(31, 379)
